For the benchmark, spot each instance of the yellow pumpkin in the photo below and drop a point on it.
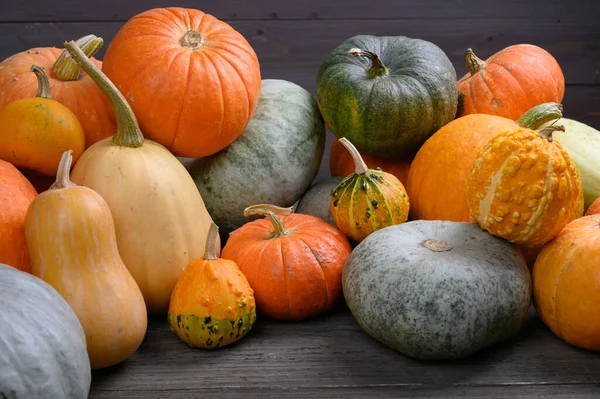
(160, 217)
(524, 187)
(72, 246)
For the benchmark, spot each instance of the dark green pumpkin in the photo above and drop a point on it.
(387, 95)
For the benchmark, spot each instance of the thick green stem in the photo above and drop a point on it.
(377, 68)
(360, 166)
(128, 131)
(210, 249)
(540, 115)
(271, 212)
(62, 174)
(65, 68)
(474, 63)
(43, 83)
(546, 132)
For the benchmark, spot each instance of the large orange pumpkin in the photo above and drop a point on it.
(342, 164)
(566, 283)
(16, 194)
(192, 80)
(293, 262)
(510, 82)
(68, 85)
(439, 172)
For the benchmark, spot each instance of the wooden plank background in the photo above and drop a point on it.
(291, 38)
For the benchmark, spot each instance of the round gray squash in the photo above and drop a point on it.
(274, 160)
(42, 346)
(437, 289)
(316, 199)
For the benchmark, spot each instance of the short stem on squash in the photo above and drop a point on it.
(474, 63)
(546, 132)
(360, 166)
(128, 131)
(192, 39)
(437, 245)
(272, 212)
(540, 115)
(377, 67)
(43, 83)
(210, 248)
(64, 169)
(65, 68)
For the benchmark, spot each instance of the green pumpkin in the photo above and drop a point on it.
(387, 95)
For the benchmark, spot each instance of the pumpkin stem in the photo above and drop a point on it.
(64, 169)
(377, 68)
(43, 83)
(192, 39)
(210, 249)
(546, 132)
(540, 115)
(474, 63)
(360, 167)
(272, 212)
(128, 131)
(437, 245)
(65, 68)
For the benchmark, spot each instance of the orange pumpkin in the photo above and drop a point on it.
(293, 262)
(438, 174)
(524, 187)
(342, 164)
(192, 80)
(68, 85)
(16, 194)
(594, 208)
(566, 283)
(510, 82)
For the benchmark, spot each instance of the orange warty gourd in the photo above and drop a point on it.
(16, 194)
(367, 200)
(594, 208)
(510, 82)
(192, 80)
(524, 186)
(342, 164)
(293, 262)
(72, 246)
(438, 174)
(212, 304)
(34, 132)
(68, 85)
(566, 283)
(159, 214)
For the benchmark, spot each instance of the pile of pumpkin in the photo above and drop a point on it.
(127, 223)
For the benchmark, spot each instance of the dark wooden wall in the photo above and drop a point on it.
(291, 38)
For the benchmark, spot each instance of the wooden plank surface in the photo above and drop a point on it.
(331, 356)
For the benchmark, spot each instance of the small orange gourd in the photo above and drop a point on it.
(293, 262)
(367, 200)
(34, 132)
(212, 304)
(594, 208)
(524, 187)
(72, 246)
(566, 283)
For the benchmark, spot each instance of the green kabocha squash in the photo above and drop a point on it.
(437, 289)
(315, 201)
(387, 95)
(42, 344)
(274, 161)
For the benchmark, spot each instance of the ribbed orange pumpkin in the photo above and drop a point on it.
(293, 262)
(524, 187)
(594, 208)
(566, 283)
(438, 174)
(510, 82)
(342, 164)
(68, 85)
(16, 194)
(192, 80)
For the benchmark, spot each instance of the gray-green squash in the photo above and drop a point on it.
(437, 289)
(42, 344)
(274, 161)
(315, 201)
(387, 94)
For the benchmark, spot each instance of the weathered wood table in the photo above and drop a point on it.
(331, 357)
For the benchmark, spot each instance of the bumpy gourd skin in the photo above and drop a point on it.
(366, 202)
(524, 188)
